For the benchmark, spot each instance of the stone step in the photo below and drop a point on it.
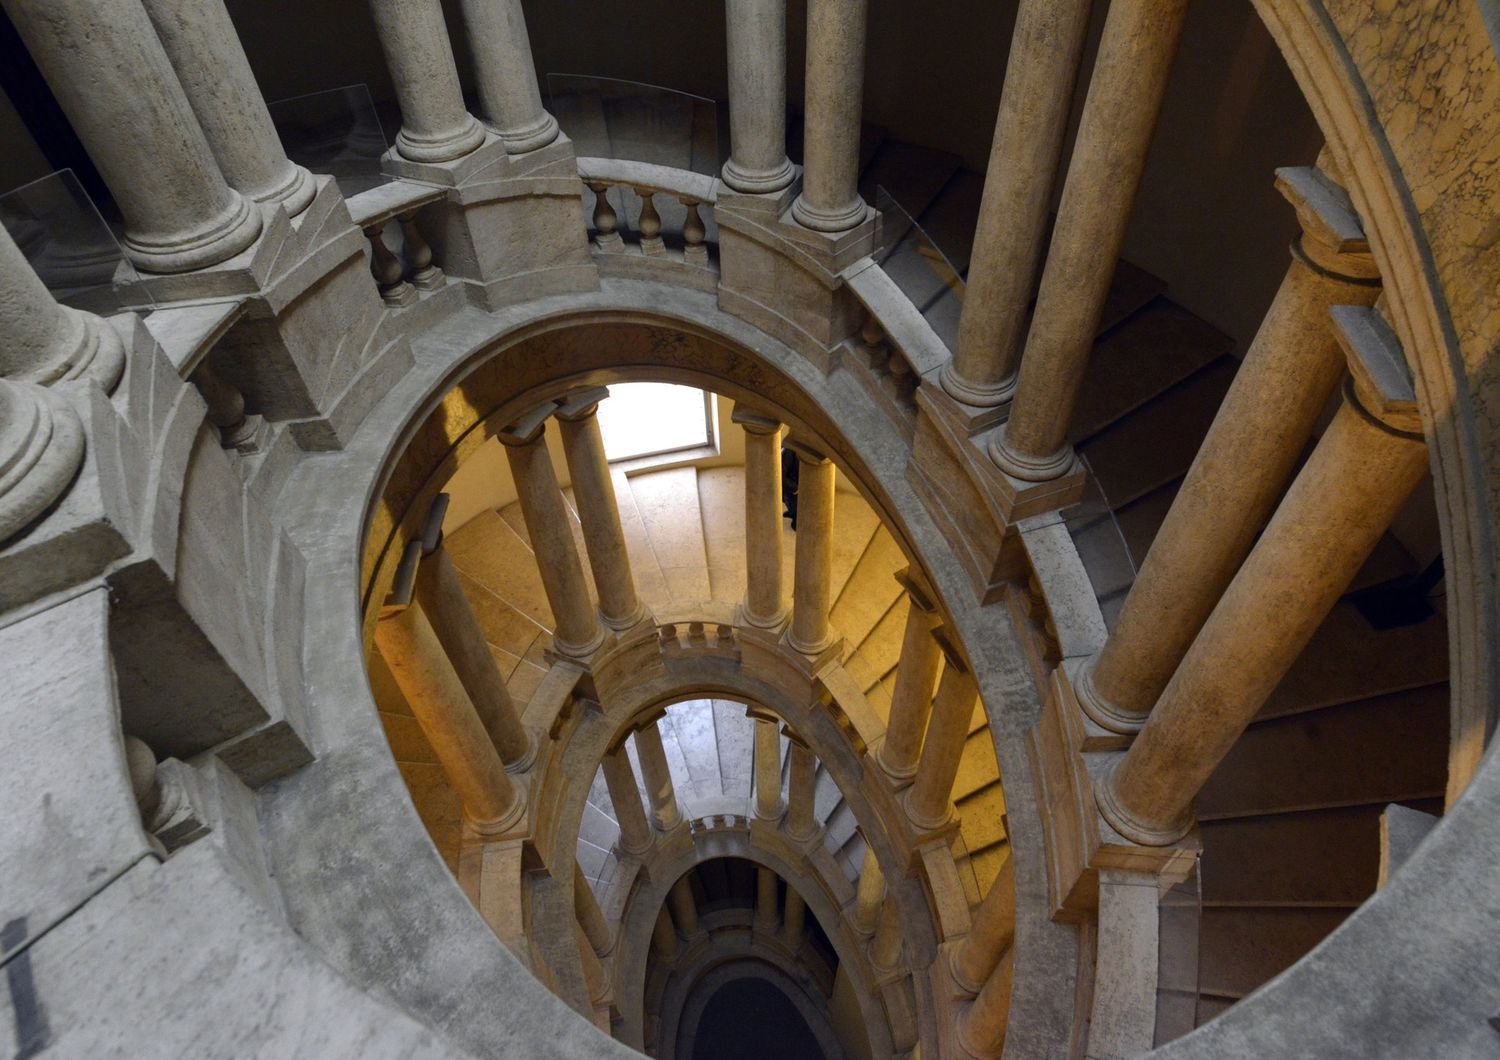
(438, 806)
(734, 735)
(951, 218)
(1156, 443)
(488, 550)
(579, 544)
(1101, 549)
(976, 767)
(650, 583)
(1131, 289)
(1318, 857)
(1348, 661)
(826, 795)
(1239, 949)
(881, 647)
(871, 589)
(840, 826)
(721, 500)
(1389, 749)
(1142, 518)
(910, 174)
(691, 727)
(668, 504)
(854, 525)
(1158, 347)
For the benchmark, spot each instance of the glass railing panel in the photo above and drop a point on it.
(67, 241)
(919, 268)
(1101, 546)
(1179, 925)
(337, 132)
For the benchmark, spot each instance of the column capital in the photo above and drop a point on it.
(952, 656)
(755, 422)
(581, 404)
(1379, 382)
(917, 590)
(432, 528)
(1333, 240)
(806, 453)
(527, 428)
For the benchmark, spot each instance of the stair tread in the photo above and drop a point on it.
(854, 524)
(871, 588)
(910, 174)
(668, 503)
(1156, 443)
(489, 552)
(721, 499)
(1240, 949)
(437, 805)
(691, 726)
(1346, 660)
(951, 218)
(881, 647)
(408, 742)
(650, 583)
(1131, 289)
(1142, 519)
(826, 795)
(1387, 749)
(735, 740)
(1157, 348)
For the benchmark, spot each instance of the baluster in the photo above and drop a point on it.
(696, 636)
(693, 234)
(606, 221)
(877, 353)
(226, 411)
(651, 242)
(386, 268)
(424, 273)
(903, 380)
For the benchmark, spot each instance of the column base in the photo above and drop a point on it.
(294, 194)
(529, 138)
(922, 822)
(630, 621)
(528, 757)
(898, 775)
(814, 649)
(500, 826)
(744, 617)
(1029, 468)
(578, 652)
(221, 239)
(837, 219)
(440, 147)
(1099, 709)
(759, 181)
(1128, 824)
(980, 395)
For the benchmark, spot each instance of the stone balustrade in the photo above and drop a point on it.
(693, 192)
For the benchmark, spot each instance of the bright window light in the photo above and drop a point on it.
(643, 419)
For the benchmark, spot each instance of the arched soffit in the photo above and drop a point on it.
(639, 917)
(515, 371)
(709, 980)
(1408, 98)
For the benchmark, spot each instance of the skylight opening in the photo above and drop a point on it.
(650, 419)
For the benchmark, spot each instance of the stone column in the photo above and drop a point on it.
(506, 75)
(658, 777)
(767, 770)
(1358, 477)
(765, 900)
(202, 43)
(764, 605)
(885, 947)
(44, 342)
(590, 917)
(577, 632)
(684, 906)
(1040, 73)
(812, 588)
(911, 699)
(1259, 434)
(1130, 76)
(927, 800)
(835, 84)
(981, 1026)
(664, 936)
(792, 918)
(625, 797)
(599, 510)
(990, 935)
(41, 448)
(416, 659)
(757, 96)
(868, 893)
(457, 628)
(435, 127)
(801, 821)
(107, 68)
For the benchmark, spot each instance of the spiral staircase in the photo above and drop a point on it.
(633, 763)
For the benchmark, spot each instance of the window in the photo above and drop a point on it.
(648, 419)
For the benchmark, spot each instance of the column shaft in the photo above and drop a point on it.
(757, 96)
(793, 917)
(599, 512)
(927, 800)
(1345, 497)
(42, 341)
(204, 48)
(765, 900)
(813, 574)
(590, 916)
(435, 127)
(664, 936)
(801, 821)
(577, 631)
(835, 79)
(108, 70)
(991, 933)
(684, 906)
(1040, 75)
(427, 679)
(981, 1027)
(885, 947)
(625, 797)
(658, 777)
(1259, 434)
(447, 608)
(1130, 77)
(911, 699)
(506, 75)
(767, 770)
(765, 605)
(868, 892)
